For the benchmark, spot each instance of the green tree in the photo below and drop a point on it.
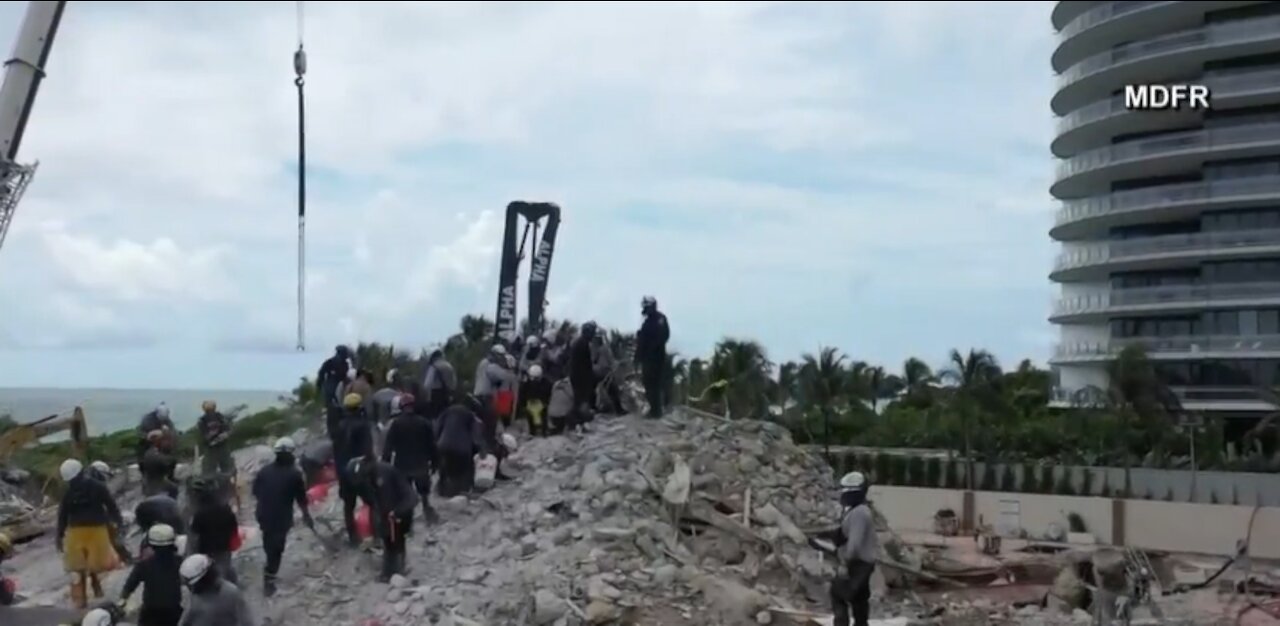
(974, 376)
(823, 381)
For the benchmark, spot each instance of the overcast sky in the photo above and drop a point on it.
(868, 175)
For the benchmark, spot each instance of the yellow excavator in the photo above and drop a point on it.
(23, 435)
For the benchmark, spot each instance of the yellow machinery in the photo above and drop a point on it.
(23, 435)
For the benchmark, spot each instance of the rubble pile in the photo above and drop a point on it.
(690, 519)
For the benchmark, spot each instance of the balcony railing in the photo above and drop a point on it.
(1101, 253)
(1225, 33)
(1165, 195)
(1170, 144)
(1106, 12)
(1173, 294)
(1092, 396)
(1242, 344)
(1222, 86)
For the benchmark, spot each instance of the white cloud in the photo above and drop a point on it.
(131, 271)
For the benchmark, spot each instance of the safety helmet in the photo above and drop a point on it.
(161, 535)
(284, 444)
(535, 371)
(498, 350)
(157, 434)
(391, 374)
(97, 617)
(100, 467)
(208, 406)
(853, 481)
(351, 373)
(533, 341)
(69, 469)
(648, 302)
(162, 411)
(194, 568)
(352, 400)
(6, 545)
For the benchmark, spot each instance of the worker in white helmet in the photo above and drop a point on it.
(278, 487)
(157, 573)
(214, 601)
(86, 517)
(857, 548)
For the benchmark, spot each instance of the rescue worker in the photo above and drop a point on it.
(86, 516)
(458, 439)
(535, 395)
(315, 456)
(158, 466)
(354, 440)
(214, 526)
(158, 575)
(155, 510)
(277, 488)
(561, 414)
(8, 590)
(157, 419)
(532, 352)
(360, 384)
(100, 471)
(333, 372)
(857, 549)
(490, 373)
(411, 449)
(214, 601)
(378, 409)
(391, 501)
(439, 385)
(582, 375)
(554, 355)
(215, 429)
(651, 354)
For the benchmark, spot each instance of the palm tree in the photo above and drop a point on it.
(824, 380)
(917, 375)
(880, 386)
(745, 367)
(787, 386)
(623, 345)
(1142, 400)
(476, 328)
(974, 376)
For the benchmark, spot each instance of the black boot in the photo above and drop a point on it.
(388, 566)
(429, 515)
(268, 585)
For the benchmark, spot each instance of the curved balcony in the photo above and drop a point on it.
(1195, 398)
(1064, 12)
(1098, 122)
(1196, 346)
(1176, 53)
(1165, 299)
(1165, 154)
(1077, 218)
(1153, 252)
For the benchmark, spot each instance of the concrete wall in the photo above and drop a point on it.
(1153, 525)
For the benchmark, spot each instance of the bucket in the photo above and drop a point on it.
(317, 493)
(486, 469)
(503, 401)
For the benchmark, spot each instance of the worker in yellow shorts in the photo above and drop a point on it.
(86, 517)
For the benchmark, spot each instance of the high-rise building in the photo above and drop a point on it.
(1169, 221)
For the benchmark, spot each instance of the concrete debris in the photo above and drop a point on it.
(687, 520)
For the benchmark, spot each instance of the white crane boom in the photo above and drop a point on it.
(22, 74)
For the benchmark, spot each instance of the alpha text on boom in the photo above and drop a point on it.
(1164, 97)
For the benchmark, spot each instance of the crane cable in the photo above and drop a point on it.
(300, 69)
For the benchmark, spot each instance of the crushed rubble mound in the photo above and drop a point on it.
(639, 521)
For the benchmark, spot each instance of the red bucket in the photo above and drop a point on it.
(503, 402)
(364, 523)
(317, 493)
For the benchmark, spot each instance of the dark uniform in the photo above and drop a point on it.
(277, 488)
(391, 501)
(354, 441)
(161, 587)
(411, 449)
(651, 352)
(459, 436)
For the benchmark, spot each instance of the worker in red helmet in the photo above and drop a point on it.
(410, 448)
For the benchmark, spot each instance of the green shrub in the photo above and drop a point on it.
(915, 471)
(1046, 480)
(897, 470)
(882, 469)
(1076, 523)
(1065, 488)
(1008, 478)
(1029, 484)
(988, 482)
(1086, 483)
(933, 472)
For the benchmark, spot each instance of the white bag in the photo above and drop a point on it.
(510, 442)
(486, 469)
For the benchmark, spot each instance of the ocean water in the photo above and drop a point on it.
(109, 410)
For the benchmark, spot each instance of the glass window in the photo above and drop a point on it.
(1226, 323)
(1248, 322)
(1269, 322)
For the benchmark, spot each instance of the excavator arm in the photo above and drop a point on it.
(24, 435)
(513, 252)
(22, 75)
